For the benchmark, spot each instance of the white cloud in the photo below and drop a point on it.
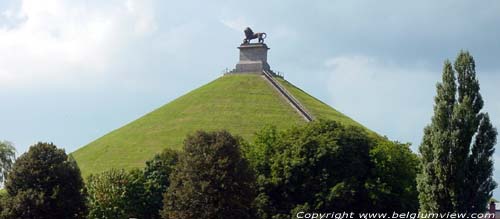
(60, 42)
(143, 13)
(387, 98)
(237, 24)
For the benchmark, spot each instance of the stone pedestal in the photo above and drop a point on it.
(253, 58)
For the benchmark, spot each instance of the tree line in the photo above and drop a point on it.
(323, 166)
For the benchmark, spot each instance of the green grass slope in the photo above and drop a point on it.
(316, 107)
(241, 104)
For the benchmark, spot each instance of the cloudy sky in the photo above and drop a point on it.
(71, 71)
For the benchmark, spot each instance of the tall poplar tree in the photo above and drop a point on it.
(458, 145)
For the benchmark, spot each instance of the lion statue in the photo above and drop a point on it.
(250, 35)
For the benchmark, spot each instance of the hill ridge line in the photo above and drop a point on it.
(288, 97)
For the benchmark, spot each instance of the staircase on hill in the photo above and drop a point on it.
(253, 59)
(288, 97)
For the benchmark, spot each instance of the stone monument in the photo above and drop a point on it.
(253, 56)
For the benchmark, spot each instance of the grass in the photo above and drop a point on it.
(241, 104)
(322, 110)
(319, 109)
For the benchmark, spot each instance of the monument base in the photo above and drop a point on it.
(253, 58)
(251, 67)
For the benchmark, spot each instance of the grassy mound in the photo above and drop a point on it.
(241, 104)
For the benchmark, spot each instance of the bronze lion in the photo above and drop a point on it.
(250, 35)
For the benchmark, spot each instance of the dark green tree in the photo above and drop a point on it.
(7, 157)
(44, 183)
(393, 186)
(458, 145)
(319, 167)
(212, 180)
(156, 176)
(325, 166)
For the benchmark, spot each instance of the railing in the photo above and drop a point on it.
(227, 71)
(289, 97)
(275, 73)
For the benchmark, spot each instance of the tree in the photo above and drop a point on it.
(322, 167)
(325, 166)
(131, 194)
(7, 157)
(116, 194)
(156, 174)
(393, 186)
(458, 145)
(212, 179)
(45, 183)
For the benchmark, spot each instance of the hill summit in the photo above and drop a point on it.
(242, 101)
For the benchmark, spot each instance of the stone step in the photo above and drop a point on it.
(288, 97)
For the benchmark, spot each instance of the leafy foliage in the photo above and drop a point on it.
(212, 180)
(392, 186)
(115, 194)
(7, 157)
(458, 145)
(156, 176)
(44, 183)
(131, 194)
(325, 166)
(298, 169)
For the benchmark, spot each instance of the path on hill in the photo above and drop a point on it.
(288, 97)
